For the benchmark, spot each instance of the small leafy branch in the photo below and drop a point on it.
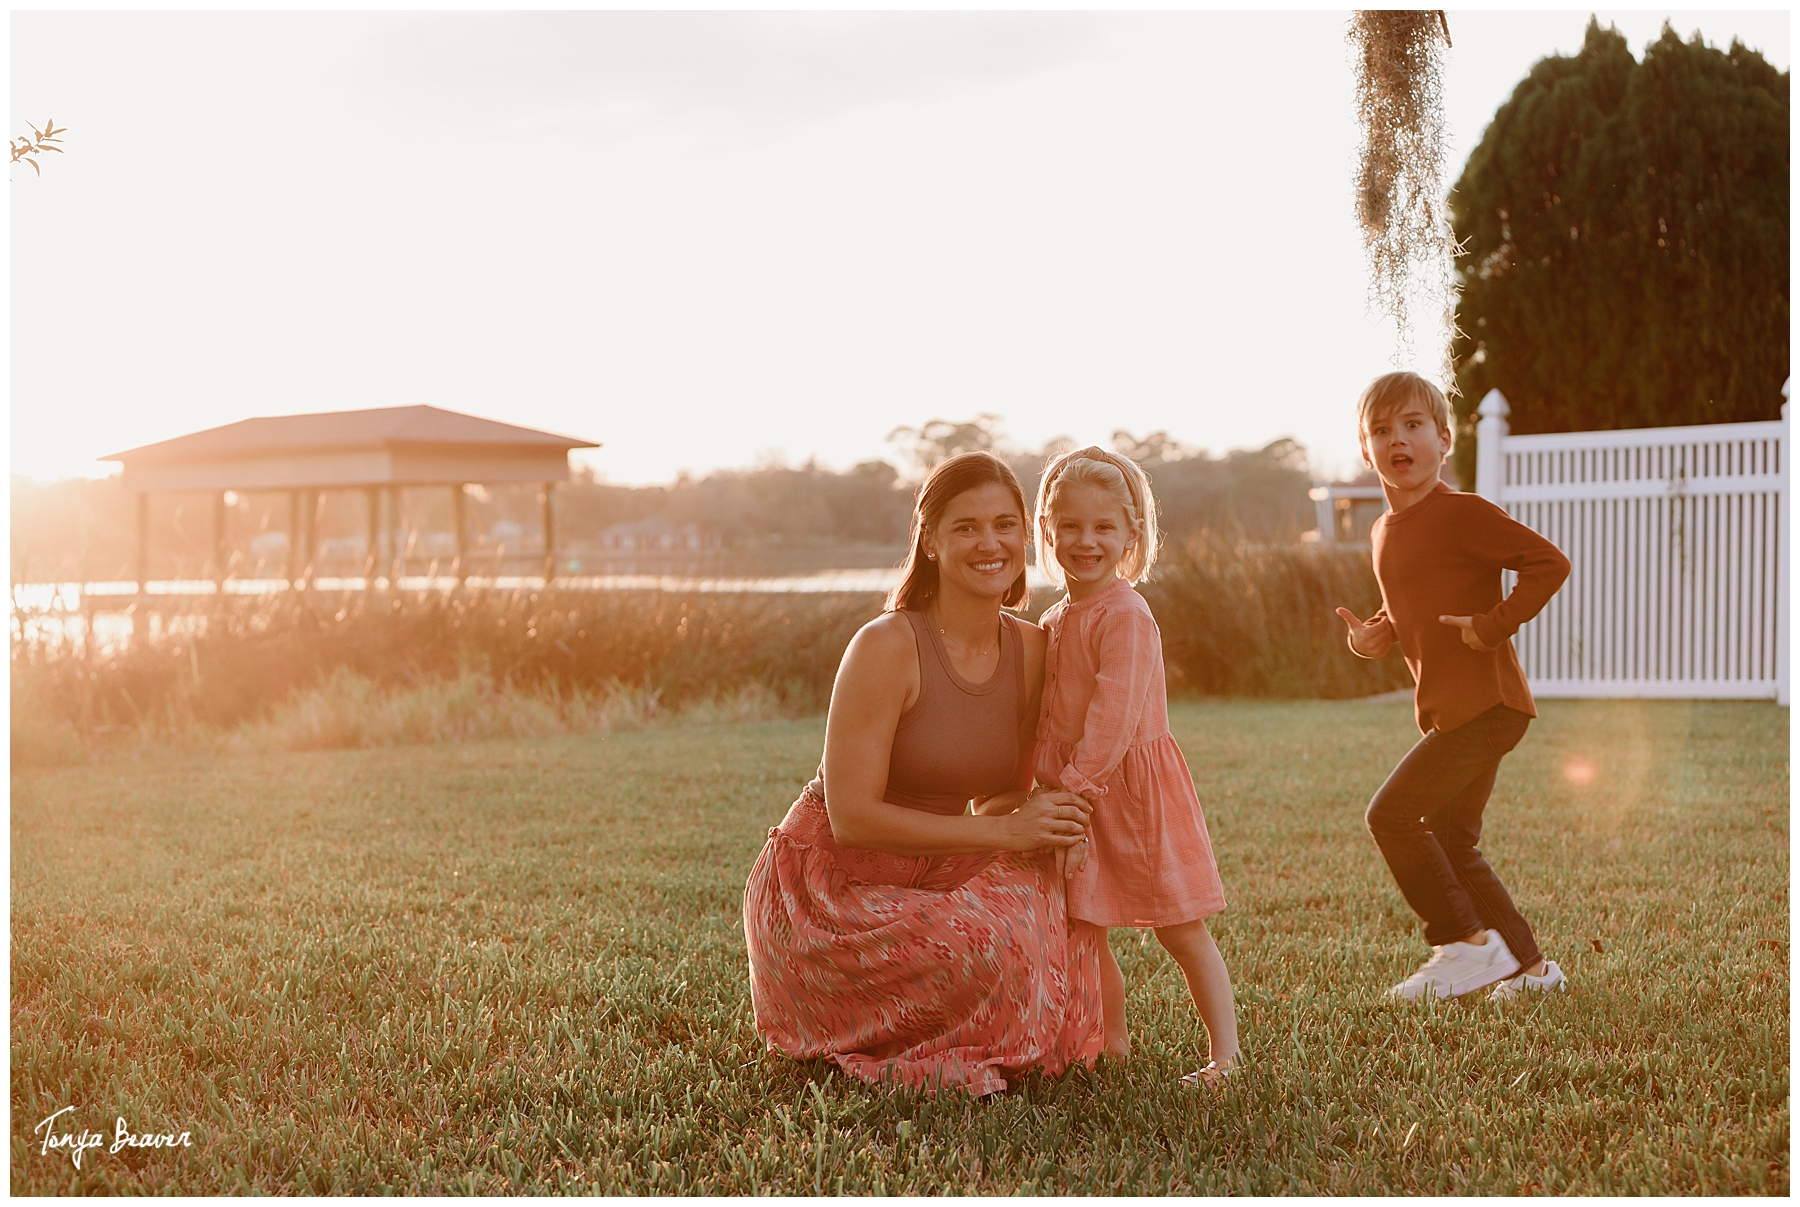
(27, 149)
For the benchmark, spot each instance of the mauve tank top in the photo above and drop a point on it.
(959, 740)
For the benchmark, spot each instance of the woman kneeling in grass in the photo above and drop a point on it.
(889, 929)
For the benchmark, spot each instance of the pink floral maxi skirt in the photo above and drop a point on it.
(954, 970)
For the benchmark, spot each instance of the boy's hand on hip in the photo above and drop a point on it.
(1369, 640)
(1467, 625)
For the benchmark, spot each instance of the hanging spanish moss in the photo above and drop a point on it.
(1400, 173)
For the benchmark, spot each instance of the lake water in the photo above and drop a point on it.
(53, 612)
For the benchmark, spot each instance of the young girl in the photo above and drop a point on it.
(1104, 733)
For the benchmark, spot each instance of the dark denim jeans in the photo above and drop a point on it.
(1427, 819)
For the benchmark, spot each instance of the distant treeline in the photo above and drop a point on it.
(86, 529)
(1260, 493)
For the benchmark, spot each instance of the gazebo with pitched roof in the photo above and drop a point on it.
(378, 452)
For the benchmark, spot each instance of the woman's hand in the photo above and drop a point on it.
(1047, 819)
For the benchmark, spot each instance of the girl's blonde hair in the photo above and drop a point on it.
(1124, 481)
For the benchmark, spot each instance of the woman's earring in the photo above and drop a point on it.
(931, 557)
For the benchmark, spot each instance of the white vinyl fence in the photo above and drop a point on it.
(1678, 538)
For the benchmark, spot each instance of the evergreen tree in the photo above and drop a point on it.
(1625, 242)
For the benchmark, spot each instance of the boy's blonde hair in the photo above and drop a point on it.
(1118, 476)
(1392, 391)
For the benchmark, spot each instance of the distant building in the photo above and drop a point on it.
(1348, 510)
(511, 533)
(653, 533)
(271, 544)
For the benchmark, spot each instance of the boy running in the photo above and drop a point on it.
(1438, 557)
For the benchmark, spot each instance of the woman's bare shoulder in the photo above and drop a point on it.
(887, 638)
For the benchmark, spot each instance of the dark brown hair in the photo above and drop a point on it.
(951, 477)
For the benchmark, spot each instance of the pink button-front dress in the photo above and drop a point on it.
(1104, 732)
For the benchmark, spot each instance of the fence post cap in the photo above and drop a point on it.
(1494, 403)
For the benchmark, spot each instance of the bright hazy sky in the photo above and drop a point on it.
(713, 239)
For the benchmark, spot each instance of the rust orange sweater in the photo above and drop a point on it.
(1442, 556)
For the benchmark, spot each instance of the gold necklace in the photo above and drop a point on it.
(980, 653)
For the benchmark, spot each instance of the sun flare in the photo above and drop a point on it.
(1580, 771)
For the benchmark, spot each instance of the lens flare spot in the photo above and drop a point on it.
(1580, 771)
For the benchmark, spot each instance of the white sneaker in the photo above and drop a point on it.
(1458, 968)
(1552, 981)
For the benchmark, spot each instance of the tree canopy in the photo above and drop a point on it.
(1624, 230)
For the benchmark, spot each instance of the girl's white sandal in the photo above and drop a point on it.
(1212, 1075)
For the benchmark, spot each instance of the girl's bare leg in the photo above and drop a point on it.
(1193, 948)
(1112, 1002)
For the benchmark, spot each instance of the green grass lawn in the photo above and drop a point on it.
(519, 965)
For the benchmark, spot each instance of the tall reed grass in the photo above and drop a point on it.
(1241, 619)
(368, 670)
(377, 670)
